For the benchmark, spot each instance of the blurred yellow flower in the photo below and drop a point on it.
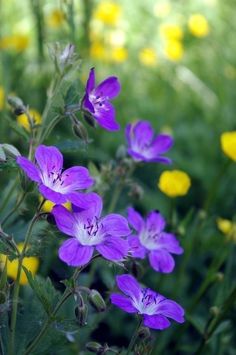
(15, 42)
(148, 57)
(174, 183)
(98, 51)
(48, 205)
(23, 121)
(198, 25)
(56, 18)
(30, 263)
(116, 38)
(227, 227)
(171, 31)
(162, 9)
(119, 54)
(174, 50)
(108, 12)
(228, 144)
(2, 98)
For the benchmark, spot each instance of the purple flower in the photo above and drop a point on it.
(154, 307)
(151, 240)
(89, 231)
(54, 184)
(96, 100)
(143, 146)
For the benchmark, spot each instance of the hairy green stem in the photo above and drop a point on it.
(134, 337)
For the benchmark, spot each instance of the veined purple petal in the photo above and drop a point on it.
(74, 254)
(108, 88)
(49, 159)
(160, 159)
(137, 156)
(171, 309)
(143, 133)
(155, 222)
(161, 144)
(170, 243)
(156, 322)
(136, 249)
(105, 116)
(86, 205)
(51, 195)
(123, 302)
(87, 104)
(76, 178)
(90, 85)
(29, 168)
(162, 261)
(113, 248)
(115, 225)
(65, 220)
(135, 219)
(129, 285)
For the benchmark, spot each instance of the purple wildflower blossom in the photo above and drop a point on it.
(54, 184)
(151, 240)
(96, 100)
(143, 146)
(154, 307)
(89, 231)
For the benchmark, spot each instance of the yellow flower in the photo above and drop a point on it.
(56, 18)
(162, 9)
(23, 121)
(227, 227)
(119, 54)
(48, 205)
(228, 144)
(171, 31)
(98, 51)
(108, 12)
(174, 183)
(148, 57)
(2, 98)
(198, 25)
(174, 50)
(15, 42)
(30, 263)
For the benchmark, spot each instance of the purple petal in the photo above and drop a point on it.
(105, 117)
(170, 243)
(171, 309)
(136, 248)
(86, 205)
(87, 104)
(129, 285)
(90, 85)
(74, 254)
(49, 159)
(76, 178)
(160, 159)
(122, 302)
(128, 130)
(113, 248)
(142, 133)
(51, 195)
(162, 261)
(161, 144)
(29, 168)
(64, 219)
(115, 225)
(155, 222)
(108, 88)
(156, 322)
(137, 156)
(135, 219)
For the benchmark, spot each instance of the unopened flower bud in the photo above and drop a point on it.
(66, 55)
(215, 311)
(97, 301)
(11, 150)
(17, 105)
(89, 118)
(81, 313)
(144, 333)
(80, 131)
(97, 348)
(220, 276)
(136, 191)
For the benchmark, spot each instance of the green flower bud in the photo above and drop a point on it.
(17, 105)
(97, 348)
(89, 118)
(81, 313)
(80, 131)
(144, 333)
(97, 301)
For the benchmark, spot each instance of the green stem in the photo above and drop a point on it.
(134, 337)
(50, 127)
(115, 197)
(14, 209)
(12, 186)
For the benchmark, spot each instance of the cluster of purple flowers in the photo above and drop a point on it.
(110, 235)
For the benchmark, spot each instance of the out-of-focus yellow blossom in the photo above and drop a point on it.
(148, 57)
(98, 51)
(119, 54)
(227, 227)
(171, 31)
(198, 25)
(56, 18)
(162, 9)
(48, 205)
(228, 144)
(116, 38)
(2, 98)
(30, 263)
(174, 183)
(23, 121)
(15, 42)
(108, 12)
(174, 50)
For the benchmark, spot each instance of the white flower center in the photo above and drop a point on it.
(147, 303)
(90, 233)
(149, 238)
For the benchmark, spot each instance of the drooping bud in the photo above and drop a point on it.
(144, 333)
(11, 150)
(97, 301)
(80, 131)
(97, 348)
(89, 118)
(136, 191)
(81, 314)
(17, 105)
